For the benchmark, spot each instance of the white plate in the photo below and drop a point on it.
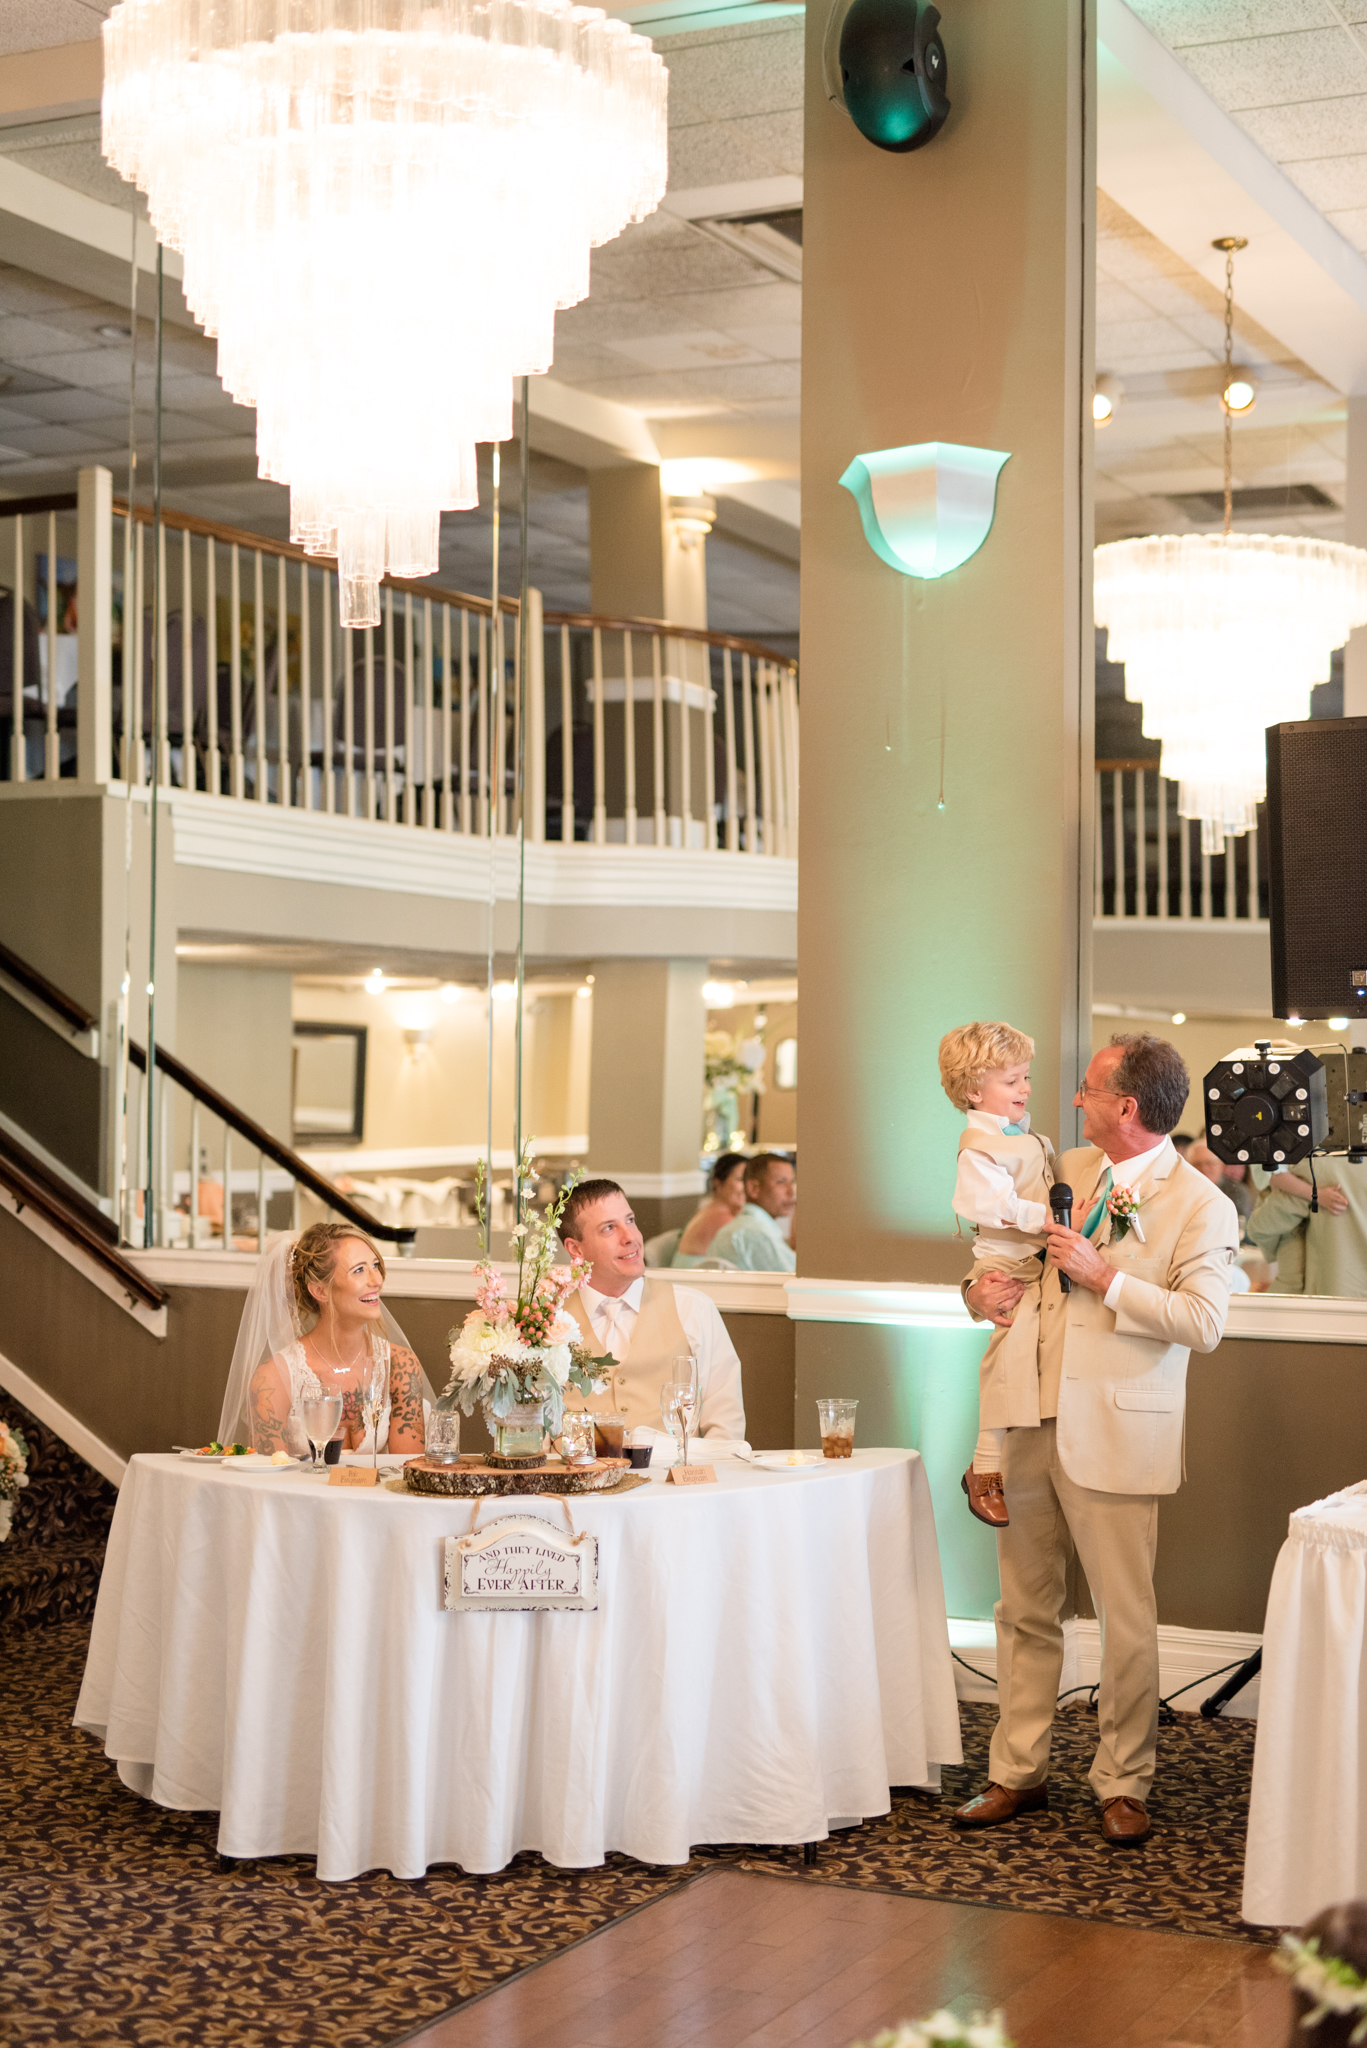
(782, 1461)
(253, 1463)
(205, 1457)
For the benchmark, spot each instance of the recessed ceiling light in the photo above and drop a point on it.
(374, 982)
(1179, 1016)
(112, 333)
(1338, 1023)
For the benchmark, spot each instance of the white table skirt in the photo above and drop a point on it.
(1307, 1822)
(768, 1654)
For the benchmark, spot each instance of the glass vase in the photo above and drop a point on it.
(520, 1435)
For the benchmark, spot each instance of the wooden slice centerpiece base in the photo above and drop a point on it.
(476, 1476)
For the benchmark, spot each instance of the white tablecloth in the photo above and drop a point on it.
(1307, 1822)
(768, 1654)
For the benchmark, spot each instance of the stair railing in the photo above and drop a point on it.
(209, 1220)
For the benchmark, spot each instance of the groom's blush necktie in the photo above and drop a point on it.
(1093, 1223)
(610, 1311)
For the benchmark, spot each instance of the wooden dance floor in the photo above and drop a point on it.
(742, 1960)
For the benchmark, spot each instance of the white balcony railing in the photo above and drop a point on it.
(638, 732)
(1149, 863)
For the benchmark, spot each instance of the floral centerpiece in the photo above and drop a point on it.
(519, 1349)
(13, 1474)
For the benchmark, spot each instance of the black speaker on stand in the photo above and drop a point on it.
(1317, 867)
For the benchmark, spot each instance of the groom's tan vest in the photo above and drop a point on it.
(632, 1394)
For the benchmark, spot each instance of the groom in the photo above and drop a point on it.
(645, 1325)
(1112, 1366)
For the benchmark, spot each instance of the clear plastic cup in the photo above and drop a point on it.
(836, 1419)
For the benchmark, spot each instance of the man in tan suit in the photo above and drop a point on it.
(1113, 1364)
(644, 1324)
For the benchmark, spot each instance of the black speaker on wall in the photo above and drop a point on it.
(1317, 867)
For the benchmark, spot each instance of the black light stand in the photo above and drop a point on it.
(1237, 1680)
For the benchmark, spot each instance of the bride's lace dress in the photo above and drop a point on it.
(306, 1386)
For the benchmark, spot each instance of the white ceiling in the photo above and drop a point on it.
(1293, 74)
(704, 341)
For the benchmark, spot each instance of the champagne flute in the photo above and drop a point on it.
(320, 1419)
(371, 1393)
(679, 1399)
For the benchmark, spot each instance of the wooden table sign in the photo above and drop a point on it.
(692, 1475)
(353, 1475)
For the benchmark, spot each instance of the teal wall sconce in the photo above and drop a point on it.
(927, 508)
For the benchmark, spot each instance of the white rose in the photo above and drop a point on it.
(556, 1361)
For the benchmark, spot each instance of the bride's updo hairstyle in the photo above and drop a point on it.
(313, 1257)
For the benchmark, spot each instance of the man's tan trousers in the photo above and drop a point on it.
(1116, 1538)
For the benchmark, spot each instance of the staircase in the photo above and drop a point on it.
(50, 1566)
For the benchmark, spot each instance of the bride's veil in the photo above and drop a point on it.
(271, 1322)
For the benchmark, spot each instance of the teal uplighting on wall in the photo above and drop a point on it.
(918, 1389)
(926, 509)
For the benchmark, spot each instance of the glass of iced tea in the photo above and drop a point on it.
(837, 1428)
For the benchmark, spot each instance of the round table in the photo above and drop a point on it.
(768, 1654)
(1307, 1818)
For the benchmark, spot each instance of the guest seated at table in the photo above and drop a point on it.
(645, 1325)
(725, 1200)
(314, 1324)
(753, 1239)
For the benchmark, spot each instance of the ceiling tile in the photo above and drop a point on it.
(1332, 128)
(1274, 71)
(781, 341)
(1334, 182)
(1180, 23)
(701, 349)
(44, 24)
(22, 340)
(1353, 227)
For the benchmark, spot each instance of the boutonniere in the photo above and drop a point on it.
(1122, 1206)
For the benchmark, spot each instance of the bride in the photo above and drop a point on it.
(314, 1324)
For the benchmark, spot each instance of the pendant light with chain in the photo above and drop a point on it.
(1223, 635)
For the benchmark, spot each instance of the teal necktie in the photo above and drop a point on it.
(1093, 1223)
(1012, 1131)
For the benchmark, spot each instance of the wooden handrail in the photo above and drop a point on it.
(271, 1148)
(24, 508)
(461, 600)
(667, 631)
(239, 536)
(82, 1225)
(64, 1006)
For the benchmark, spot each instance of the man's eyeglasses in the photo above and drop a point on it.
(1084, 1087)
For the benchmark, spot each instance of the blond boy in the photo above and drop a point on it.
(1002, 1187)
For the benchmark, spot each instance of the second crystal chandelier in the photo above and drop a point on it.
(381, 205)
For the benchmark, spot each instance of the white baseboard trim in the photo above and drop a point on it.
(1187, 1658)
(62, 1422)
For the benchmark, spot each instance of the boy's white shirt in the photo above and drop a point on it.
(985, 1194)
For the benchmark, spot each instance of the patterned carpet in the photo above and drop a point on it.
(118, 1926)
(50, 1565)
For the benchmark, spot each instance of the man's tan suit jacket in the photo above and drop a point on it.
(1122, 1375)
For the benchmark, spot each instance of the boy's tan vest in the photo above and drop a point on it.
(1029, 1159)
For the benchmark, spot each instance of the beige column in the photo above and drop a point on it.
(1355, 533)
(646, 1084)
(946, 742)
(648, 560)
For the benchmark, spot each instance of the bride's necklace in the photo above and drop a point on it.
(342, 1364)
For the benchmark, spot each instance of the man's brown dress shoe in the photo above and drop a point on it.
(999, 1803)
(986, 1499)
(1124, 1821)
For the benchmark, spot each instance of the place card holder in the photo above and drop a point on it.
(353, 1475)
(691, 1475)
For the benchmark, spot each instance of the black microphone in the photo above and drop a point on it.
(1061, 1202)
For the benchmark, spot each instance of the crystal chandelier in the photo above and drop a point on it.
(381, 204)
(1222, 636)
